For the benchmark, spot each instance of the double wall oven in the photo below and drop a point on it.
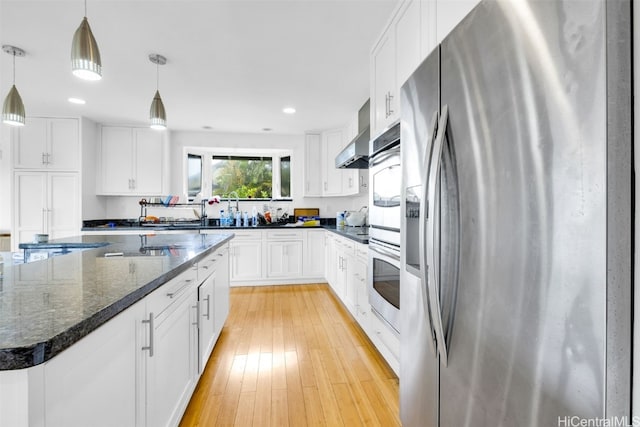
(385, 182)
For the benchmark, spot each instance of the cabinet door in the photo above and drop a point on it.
(350, 289)
(148, 161)
(284, 258)
(449, 13)
(63, 152)
(407, 42)
(350, 181)
(314, 252)
(313, 178)
(246, 260)
(332, 144)
(63, 205)
(93, 382)
(171, 371)
(384, 82)
(363, 307)
(206, 326)
(30, 204)
(331, 264)
(29, 144)
(221, 292)
(116, 161)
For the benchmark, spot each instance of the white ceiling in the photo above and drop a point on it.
(232, 65)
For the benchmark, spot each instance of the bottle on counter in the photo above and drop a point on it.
(254, 217)
(223, 220)
(245, 219)
(238, 220)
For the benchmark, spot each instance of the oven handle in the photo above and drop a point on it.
(386, 252)
(434, 300)
(384, 155)
(424, 283)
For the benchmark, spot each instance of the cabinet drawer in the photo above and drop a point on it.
(385, 335)
(284, 235)
(348, 246)
(162, 298)
(362, 251)
(252, 235)
(207, 266)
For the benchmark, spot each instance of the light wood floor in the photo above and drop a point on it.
(293, 356)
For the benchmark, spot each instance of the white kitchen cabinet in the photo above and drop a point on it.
(383, 82)
(331, 258)
(94, 382)
(245, 257)
(221, 292)
(131, 161)
(206, 326)
(314, 253)
(450, 13)
(45, 143)
(333, 143)
(313, 174)
(46, 202)
(170, 350)
(395, 55)
(359, 285)
(284, 254)
(322, 178)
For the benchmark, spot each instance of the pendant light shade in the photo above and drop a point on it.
(13, 109)
(85, 56)
(157, 114)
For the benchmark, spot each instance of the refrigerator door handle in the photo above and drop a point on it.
(432, 249)
(424, 283)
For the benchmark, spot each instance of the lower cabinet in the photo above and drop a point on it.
(171, 365)
(245, 259)
(141, 367)
(94, 382)
(284, 254)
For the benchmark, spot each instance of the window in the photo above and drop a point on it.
(194, 174)
(285, 176)
(250, 177)
(253, 173)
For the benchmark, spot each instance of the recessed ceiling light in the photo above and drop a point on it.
(77, 101)
(207, 127)
(267, 129)
(289, 110)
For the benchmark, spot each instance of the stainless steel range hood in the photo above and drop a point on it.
(356, 154)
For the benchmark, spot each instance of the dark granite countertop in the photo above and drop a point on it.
(46, 306)
(358, 234)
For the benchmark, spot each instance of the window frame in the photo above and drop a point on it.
(207, 178)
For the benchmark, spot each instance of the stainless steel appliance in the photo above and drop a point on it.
(516, 273)
(385, 181)
(384, 282)
(356, 154)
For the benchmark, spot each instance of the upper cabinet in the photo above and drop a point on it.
(322, 178)
(395, 55)
(131, 161)
(45, 143)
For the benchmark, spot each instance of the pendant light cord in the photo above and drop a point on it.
(157, 76)
(14, 67)
(85, 8)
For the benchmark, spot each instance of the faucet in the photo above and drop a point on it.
(237, 201)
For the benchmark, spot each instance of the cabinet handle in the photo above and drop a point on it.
(197, 308)
(150, 346)
(133, 184)
(174, 293)
(390, 110)
(325, 186)
(350, 182)
(43, 161)
(208, 300)
(386, 105)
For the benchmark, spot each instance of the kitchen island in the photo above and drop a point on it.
(86, 337)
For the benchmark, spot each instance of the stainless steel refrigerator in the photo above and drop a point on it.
(517, 231)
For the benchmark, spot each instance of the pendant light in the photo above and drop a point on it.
(85, 56)
(157, 115)
(13, 108)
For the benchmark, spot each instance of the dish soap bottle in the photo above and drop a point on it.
(254, 217)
